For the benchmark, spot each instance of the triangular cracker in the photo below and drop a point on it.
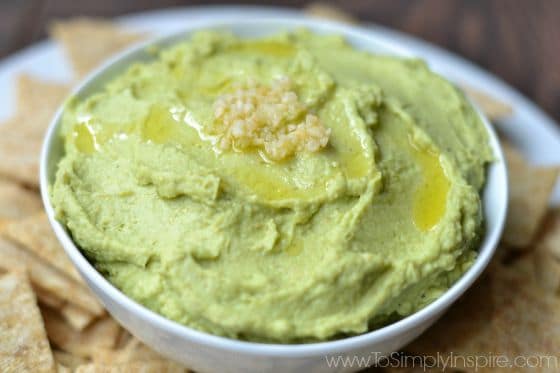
(104, 39)
(35, 234)
(23, 342)
(21, 137)
(47, 277)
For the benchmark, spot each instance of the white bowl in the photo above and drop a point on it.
(209, 353)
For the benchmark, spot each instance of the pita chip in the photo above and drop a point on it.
(551, 238)
(68, 360)
(47, 298)
(48, 278)
(77, 317)
(492, 107)
(547, 269)
(136, 367)
(16, 202)
(20, 158)
(505, 313)
(547, 254)
(21, 136)
(24, 345)
(37, 101)
(89, 41)
(133, 351)
(35, 234)
(530, 189)
(329, 12)
(103, 333)
(62, 368)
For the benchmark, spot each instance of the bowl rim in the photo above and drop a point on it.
(486, 249)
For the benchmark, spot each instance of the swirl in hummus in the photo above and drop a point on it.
(281, 189)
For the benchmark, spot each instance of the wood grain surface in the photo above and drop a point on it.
(518, 40)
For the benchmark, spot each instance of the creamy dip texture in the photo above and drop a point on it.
(282, 189)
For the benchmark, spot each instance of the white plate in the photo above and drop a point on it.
(535, 133)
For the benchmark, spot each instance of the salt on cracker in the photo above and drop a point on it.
(530, 188)
(24, 345)
(16, 202)
(47, 277)
(21, 136)
(88, 42)
(103, 333)
(35, 234)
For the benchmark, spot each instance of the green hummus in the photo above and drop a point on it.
(367, 229)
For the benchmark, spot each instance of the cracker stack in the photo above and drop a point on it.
(49, 319)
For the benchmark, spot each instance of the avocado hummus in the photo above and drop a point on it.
(282, 189)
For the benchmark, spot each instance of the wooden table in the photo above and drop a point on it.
(518, 40)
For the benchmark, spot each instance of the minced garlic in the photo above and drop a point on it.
(268, 118)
